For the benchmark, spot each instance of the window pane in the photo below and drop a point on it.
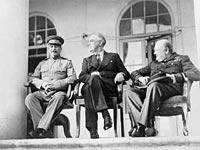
(151, 24)
(51, 32)
(42, 51)
(32, 52)
(40, 38)
(162, 9)
(138, 10)
(31, 38)
(138, 26)
(164, 22)
(125, 27)
(40, 22)
(151, 8)
(127, 14)
(33, 62)
(49, 24)
(31, 23)
(132, 50)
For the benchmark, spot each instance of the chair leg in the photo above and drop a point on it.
(64, 121)
(115, 108)
(78, 120)
(115, 121)
(184, 118)
(122, 121)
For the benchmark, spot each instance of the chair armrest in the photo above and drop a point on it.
(27, 84)
(30, 87)
(186, 91)
(69, 91)
(76, 88)
(186, 87)
(120, 90)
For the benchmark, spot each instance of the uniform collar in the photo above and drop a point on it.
(173, 55)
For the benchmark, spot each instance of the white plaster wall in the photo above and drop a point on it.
(13, 67)
(72, 19)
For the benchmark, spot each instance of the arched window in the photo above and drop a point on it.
(145, 17)
(139, 25)
(40, 27)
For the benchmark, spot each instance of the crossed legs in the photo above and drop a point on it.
(142, 112)
(95, 102)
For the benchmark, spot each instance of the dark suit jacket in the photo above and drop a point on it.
(109, 67)
(179, 65)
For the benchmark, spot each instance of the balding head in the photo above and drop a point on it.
(163, 43)
(162, 49)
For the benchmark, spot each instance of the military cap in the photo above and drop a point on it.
(54, 39)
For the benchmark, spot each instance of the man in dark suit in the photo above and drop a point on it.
(100, 73)
(169, 66)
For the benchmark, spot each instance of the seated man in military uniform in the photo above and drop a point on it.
(51, 77)
(171, 68)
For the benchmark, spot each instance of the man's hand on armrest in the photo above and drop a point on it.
(172, 77)
(119, 77)
(144, 80)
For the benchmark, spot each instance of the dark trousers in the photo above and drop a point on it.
(94, 100)
(155, 94)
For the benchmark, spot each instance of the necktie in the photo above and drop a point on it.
(98, 59)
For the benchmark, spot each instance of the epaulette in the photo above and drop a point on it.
(45, 59)
(64, 58)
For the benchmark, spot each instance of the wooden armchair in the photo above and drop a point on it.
(178, 105)
(58, 118)
(115, 104)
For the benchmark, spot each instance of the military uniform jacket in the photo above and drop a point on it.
(109, 67)
(179, 65)
(59, 72)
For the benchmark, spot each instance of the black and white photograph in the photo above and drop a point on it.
(100, 74)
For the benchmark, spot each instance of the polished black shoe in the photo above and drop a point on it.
(140, 132)
(45, 134)
(107, 123)
(35, 133)
(151, 132)
(93, 134)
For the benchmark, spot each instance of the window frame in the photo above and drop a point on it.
(39, 52)
(129, 7)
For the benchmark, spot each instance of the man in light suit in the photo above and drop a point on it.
(100, 73)
(51, 77)
(163, 78)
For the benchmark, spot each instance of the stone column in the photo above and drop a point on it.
(197, 27)
(13, 67)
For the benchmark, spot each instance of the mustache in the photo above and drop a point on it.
(54, 51)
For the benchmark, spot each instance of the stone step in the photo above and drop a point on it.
(128, 143)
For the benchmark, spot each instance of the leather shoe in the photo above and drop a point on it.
(151, 132)
(107, 123)
(140, 132)
(45, 134)
(35, 133)
(94, 134)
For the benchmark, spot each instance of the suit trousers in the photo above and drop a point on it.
(40, 118)
(142, 104)
(94, 100)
